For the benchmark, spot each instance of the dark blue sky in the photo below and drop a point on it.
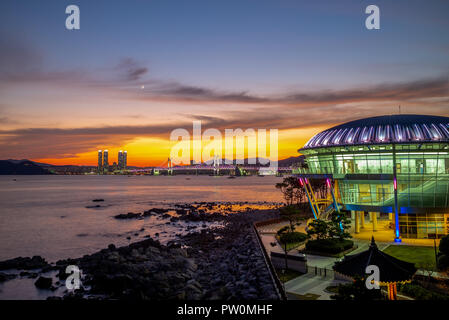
(252, 45)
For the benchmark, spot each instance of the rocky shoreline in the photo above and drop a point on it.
(215, 263)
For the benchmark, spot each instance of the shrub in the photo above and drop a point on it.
(283, 230)
(293, 237)
(443, 262)
(329, 245)
(444, 245)
(420, 293)
(356, 291)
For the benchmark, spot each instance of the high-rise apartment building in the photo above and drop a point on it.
(120, 160)
(105, 161)
(100, 161)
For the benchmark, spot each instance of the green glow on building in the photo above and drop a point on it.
(365, 177)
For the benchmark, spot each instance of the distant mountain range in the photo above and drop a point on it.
(21, 167)
(24, 166)
(291, 161)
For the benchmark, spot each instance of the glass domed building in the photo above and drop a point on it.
(396, 166)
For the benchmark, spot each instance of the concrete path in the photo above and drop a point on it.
(272, 228)
(311, 284)
(267, 240)
(314, 260)
(314, 285)
(385, 234)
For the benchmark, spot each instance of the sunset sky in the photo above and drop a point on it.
(138, 69)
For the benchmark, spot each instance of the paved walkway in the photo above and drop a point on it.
(385, 234)
(272, 228)
(311, 286)
(315, 260)
(268, 240)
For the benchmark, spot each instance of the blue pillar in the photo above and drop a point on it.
(396, 204)
(308, 197)
(333, 195)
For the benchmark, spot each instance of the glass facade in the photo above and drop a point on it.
(432, 226)
(365, 175)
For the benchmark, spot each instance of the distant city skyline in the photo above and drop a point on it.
(103, 165)
(136, 70)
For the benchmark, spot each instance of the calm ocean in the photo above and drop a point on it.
(47, 215)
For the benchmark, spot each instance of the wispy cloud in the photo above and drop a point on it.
(19, 62)
(6, 120)
(130, 69)
(288, 112)
(132, 80)
(419, 89)
(34, 142)
(425, 88)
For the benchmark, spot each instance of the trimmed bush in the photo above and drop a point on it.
(283, 230)
(329, 245)
(420, 293)
(443, 262)
(444, 245)
(293, 237)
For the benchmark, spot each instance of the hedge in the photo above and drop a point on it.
(420, 293)
(443, 262)
(444, 245)
(329, 245)
(293, 237)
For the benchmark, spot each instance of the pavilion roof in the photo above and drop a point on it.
(391, 269)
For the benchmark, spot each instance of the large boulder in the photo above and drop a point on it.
(43, 283)
(129, 215)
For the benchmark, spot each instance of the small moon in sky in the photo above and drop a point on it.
(142, 87)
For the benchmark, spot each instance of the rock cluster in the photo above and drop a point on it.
(197, 211)
(139, 215)
(6, 276)
(220, 263)
(142, 270)
(20, 263)
(224, 262)
(230, 262)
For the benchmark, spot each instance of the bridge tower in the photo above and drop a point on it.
(170, 167)
(216, 165)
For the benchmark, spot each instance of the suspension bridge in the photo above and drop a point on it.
(216, 167)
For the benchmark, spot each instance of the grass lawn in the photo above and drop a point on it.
(332, 289)
(288, 275)
(290, 246)
(422, 257)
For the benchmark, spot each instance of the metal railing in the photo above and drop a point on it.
(322, 272)
(274, 277)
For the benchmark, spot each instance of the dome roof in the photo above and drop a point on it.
(403, 128)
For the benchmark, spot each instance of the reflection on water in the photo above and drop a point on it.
(54, 216)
